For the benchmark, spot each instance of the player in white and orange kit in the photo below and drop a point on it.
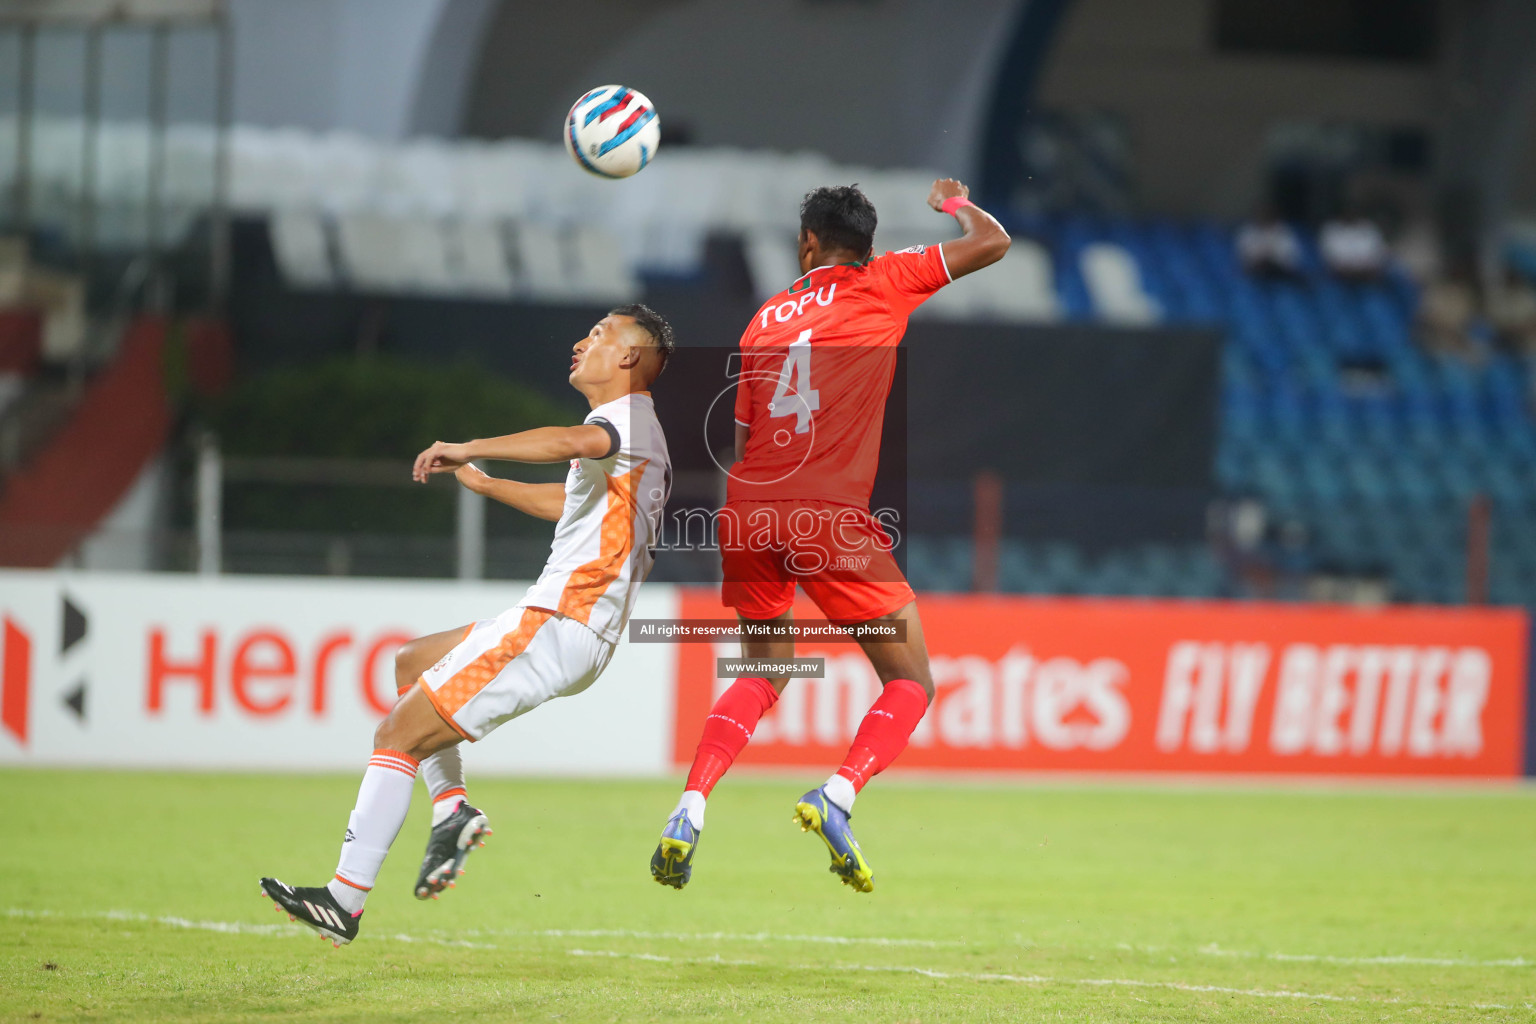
(461, 684)
(816, 368)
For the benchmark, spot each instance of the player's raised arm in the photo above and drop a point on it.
(543, 444)
(542, 501)
(984, 242)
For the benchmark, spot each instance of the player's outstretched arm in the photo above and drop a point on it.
(542, 501)
(984, 242)
(543, 444)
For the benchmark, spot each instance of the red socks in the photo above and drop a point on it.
(727, 729)
(883, 734)
(881, 738)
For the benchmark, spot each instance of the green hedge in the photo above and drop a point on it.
(372, 408)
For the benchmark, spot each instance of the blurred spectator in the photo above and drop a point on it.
(1447, 315)
(1268, 247)
(1353, 248)
(1512, 312)
(1418, 251)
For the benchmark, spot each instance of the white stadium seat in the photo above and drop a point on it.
(424, 255)
(272, 169)
(301, 248)
(1114, 285)
(1024, 285)
(541, 264)
(489, 181)
(371, 247)
(344, 171)
(511, 218)
(771, 262)
(415, 178)
(478, 256)
(598, 269)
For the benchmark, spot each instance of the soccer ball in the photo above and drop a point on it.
(612, 131)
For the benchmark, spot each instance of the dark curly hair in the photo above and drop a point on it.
(841, 217)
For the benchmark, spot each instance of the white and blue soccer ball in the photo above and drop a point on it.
(613, 131)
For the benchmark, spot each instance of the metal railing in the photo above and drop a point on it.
(93, 20)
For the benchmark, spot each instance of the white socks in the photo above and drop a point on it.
(443, 772)
(841, 792)
(441, 809)
(693, 803)
(382, 801)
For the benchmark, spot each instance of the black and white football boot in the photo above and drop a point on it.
(316, 908)
(447, 847)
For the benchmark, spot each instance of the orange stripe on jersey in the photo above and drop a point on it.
(472, 678)
(588, 582)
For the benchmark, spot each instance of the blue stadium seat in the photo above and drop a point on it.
(1381, 474)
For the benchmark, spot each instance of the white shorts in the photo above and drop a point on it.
(510, 665)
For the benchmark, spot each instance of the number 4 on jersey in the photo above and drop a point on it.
(789, 400)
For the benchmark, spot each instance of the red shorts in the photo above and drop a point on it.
(839, 554)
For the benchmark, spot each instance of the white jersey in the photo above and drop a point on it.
(603, 546)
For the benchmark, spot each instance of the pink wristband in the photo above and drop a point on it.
(954, 203)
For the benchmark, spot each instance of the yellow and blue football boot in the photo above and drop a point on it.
(672, 863)
(816, 813)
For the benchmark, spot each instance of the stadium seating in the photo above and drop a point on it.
(1330, 414)
(1190, 571)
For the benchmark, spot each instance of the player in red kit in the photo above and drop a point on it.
(816, 368)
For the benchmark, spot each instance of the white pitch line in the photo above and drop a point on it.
(548, 933)
(293, 931)
(229, 927)
(281, 930)
(626, 933)
(1385, 960)
(1024, 979)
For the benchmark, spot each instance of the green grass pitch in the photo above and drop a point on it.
(132, 896)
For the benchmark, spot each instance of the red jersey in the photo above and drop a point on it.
(817, 362)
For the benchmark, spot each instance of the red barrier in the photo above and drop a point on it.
(1038, 684)
(65, 489)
